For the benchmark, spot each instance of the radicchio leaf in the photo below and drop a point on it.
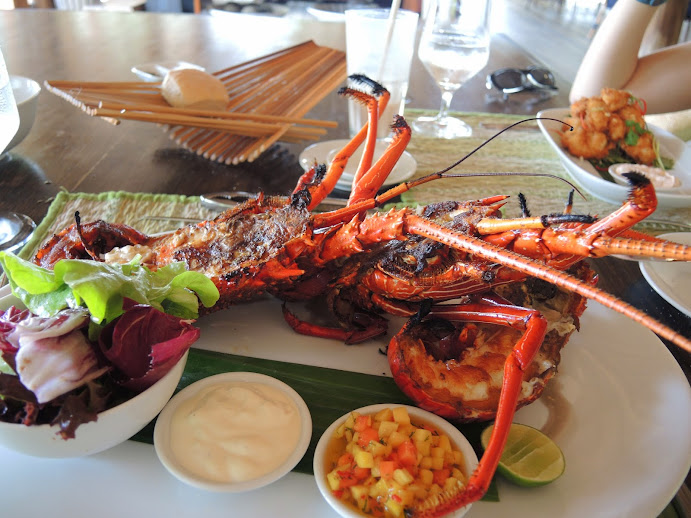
(144, 344)
(53, 356)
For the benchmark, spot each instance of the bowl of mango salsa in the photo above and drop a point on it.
(380, 460)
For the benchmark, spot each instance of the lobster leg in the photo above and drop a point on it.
(373, 326)
(322, 182)
(534, 326)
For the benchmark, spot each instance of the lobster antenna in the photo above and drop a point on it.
(443, 172)
(499, 133)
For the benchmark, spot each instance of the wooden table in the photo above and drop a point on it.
(69, 150)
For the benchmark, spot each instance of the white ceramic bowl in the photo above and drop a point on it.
(587, 177)
(166, 453)
(457, 439)
(112, 427)
(26, 95)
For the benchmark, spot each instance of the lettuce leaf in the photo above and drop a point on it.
(103, 287)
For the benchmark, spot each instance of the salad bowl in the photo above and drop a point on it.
(112, 427)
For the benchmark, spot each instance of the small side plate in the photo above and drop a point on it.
(672, 280)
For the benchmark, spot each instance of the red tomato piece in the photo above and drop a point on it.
(386, 469)
(345, 460)
(407, 453)
(367, 435)
(362, 422)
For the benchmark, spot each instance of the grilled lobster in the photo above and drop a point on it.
(277, 245)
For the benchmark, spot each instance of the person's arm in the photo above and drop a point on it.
(661, 78)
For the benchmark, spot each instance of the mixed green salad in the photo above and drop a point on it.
(91, 335)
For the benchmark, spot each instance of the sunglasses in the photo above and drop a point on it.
(515, 80)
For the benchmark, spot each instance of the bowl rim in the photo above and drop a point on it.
(457, 438)
(35, 88)
(168, 460)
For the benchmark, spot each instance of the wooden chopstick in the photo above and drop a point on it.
(269, 97)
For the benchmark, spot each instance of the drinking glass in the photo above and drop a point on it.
(15, 228)
(454, 46)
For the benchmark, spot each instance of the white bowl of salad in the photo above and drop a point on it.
(89, 352)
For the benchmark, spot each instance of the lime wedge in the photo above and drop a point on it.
(530, 458)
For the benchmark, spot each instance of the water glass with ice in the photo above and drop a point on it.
(367, 53)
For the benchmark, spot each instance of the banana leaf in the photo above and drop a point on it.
(328, 393)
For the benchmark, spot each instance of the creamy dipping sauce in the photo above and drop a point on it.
(660, 178)
(236, 431)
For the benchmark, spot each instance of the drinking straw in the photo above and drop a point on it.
(395, 4)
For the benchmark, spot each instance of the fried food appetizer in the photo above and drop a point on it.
(609, 128)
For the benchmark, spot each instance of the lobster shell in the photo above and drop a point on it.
(467, 388)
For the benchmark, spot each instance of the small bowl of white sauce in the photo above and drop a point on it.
(662, 180)
(233, 432)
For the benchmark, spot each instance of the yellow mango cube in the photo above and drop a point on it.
(422, 435)
(423, 447)
(395, 508)
(444, 442)
(426, 477)
(364, 459)
(386, 428)
(396, 439)
(402, 476)
(378, 449)
(380, 488)
(458, 458)
(400, 415)
(437, 452)
(334, 480)
(360, 494)
(437, 462)
(384, 415)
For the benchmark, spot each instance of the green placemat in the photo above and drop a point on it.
(148, 213)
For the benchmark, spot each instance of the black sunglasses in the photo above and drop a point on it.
(514, 80)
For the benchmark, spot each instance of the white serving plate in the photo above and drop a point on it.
(672, 280)
(586, 176)
(618, 409)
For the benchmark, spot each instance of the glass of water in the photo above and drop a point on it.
(9, 118)
(454, 46)
(15, 228)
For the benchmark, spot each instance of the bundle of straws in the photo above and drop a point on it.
(268, 98)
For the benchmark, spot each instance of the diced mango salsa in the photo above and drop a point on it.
(383, 464)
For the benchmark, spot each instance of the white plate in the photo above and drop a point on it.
(586, 175)
(672, 280)
(323, 153)
(618, 408)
